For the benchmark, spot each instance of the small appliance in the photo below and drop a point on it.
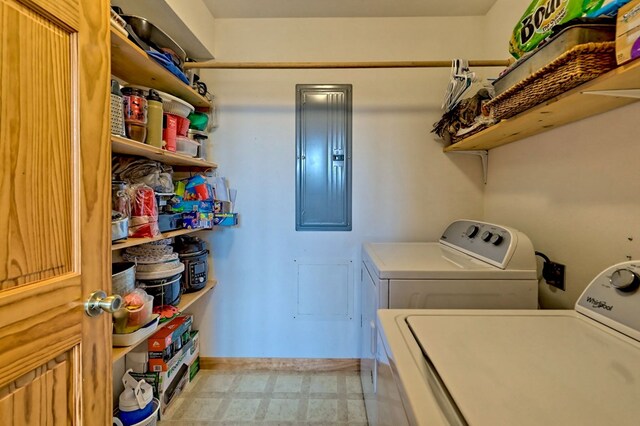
(193, 253)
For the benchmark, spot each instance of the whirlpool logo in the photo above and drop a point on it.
(599, 304)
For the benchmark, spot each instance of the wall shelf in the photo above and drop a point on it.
(566, 108)
(186, 301)
(131, 242)
(120, 145)
(133, 65)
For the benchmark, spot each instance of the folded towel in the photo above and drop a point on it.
(164, 59)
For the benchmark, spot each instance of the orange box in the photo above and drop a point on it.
(163, 338)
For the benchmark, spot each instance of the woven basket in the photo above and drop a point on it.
(574, 67)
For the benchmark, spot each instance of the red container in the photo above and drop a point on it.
(169, 132)
(183, 126)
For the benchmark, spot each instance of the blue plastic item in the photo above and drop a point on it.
(164, 59)
(608, 9)
(130, 418)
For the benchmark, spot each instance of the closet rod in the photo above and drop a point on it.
(319, 65)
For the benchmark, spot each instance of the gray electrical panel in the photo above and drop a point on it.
(323, 157)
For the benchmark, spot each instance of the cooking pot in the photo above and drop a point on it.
(163, 285)
(119, 226)
(123, 277)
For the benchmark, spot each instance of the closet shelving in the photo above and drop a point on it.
(120, 145)
(581, 102)
(133, 65)
(186, 300)
(130, 242)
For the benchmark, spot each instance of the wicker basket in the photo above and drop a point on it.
(576, 66)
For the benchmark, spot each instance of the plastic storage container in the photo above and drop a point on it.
(173, 105)
(135, 113)
(130, 319)
(135, 403)
(186, 146)
(153, 418)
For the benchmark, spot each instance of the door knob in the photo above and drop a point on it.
(99, 302)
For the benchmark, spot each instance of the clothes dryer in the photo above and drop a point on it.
(474, 265)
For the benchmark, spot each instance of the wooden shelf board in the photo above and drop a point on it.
(120, 145)
(133, 65)
(185, 301)
(131, 242)
(566, 108)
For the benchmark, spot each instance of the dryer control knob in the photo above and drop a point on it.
(486, 236)
(624, 280)
(496, 239)
(472, 231)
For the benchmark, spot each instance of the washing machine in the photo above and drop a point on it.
(473, 265)
(515, 367)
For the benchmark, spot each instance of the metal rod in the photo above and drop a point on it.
(325, 65)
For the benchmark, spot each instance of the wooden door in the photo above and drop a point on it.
(55, 362)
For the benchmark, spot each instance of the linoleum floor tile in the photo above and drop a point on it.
(269, 399)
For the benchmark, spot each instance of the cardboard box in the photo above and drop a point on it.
(195, 220)
(159, 364)
(167, 385)
(192, 358)
(162, 340)
(628, 32)
(222, 207)
(194, 367)
(225, 219)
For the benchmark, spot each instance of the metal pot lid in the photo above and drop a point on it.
(189, 245)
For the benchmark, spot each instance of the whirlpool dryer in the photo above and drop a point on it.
(516, 367)
(474, 265)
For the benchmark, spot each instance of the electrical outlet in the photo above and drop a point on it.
(553, 274)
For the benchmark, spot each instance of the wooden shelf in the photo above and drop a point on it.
(186, 300)
(133, 65)
(130, 242)
(120, 145)
(566, 108)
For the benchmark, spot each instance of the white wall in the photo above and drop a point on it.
(404, 187)
(573, 190)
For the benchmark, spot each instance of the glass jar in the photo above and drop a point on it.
(120, 199)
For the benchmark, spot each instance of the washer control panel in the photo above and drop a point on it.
(485, 241)
(613, 298)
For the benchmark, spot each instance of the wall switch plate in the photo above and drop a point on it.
(553, 274)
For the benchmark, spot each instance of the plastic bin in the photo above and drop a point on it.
(186, 146)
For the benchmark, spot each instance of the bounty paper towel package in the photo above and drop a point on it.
(541, 16)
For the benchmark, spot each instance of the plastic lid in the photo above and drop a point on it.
(115, 88)
(136, 395)
(128, 91)
(154, 96)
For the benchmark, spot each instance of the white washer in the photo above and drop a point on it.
(509, 367)
(474, 265)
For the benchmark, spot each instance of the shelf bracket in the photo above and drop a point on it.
(621, 93)
(484, 157)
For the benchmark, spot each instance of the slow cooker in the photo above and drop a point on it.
(193, 252)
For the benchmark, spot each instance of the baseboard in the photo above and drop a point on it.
(280, 364)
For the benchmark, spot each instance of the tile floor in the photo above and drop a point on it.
(269, 398)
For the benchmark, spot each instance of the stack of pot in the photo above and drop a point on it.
(159, 271)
